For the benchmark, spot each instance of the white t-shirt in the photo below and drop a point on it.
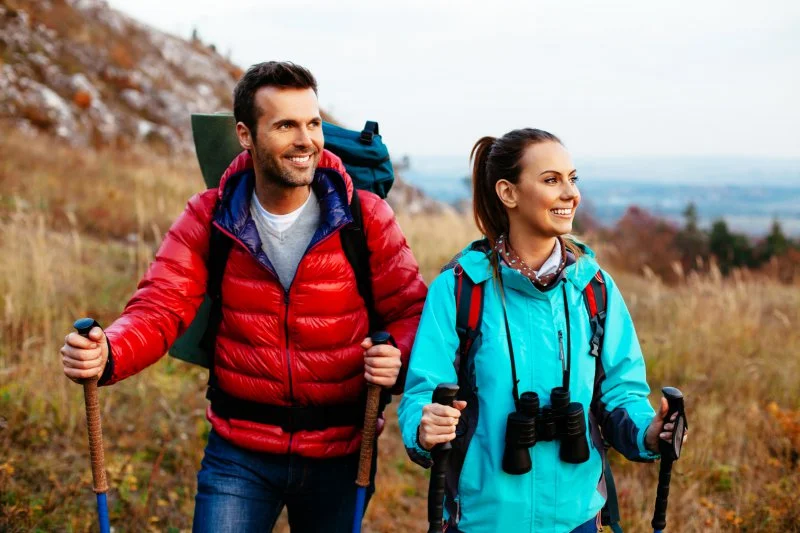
(278, 223)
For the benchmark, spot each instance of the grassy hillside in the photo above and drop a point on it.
(78, 229)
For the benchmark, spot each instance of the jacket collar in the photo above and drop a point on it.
(233, 211)
(475, 262)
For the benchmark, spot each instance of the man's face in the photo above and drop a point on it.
(288, 142)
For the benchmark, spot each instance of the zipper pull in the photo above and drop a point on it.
(561, 349)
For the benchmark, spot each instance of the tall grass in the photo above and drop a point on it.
(730, 344)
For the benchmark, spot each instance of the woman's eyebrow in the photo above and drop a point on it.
(573, 171)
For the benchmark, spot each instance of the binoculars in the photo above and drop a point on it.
(563, 420)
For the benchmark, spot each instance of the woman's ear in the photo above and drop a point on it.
(243, 132)
(507, 192)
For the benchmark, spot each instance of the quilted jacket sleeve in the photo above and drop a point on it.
(397, 285)
(167, 297)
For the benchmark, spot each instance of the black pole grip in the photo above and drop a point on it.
(670, 452)
(444, 394)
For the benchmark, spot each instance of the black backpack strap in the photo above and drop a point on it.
(594, 296)
(596, 299)
(354, 244)
(469, 298)
(469, 314)
(219, 248)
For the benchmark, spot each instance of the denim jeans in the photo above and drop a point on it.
(239, 490)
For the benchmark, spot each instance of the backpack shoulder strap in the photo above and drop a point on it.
(219, 249)
(354, 244)
(469, 314)
(595, 298)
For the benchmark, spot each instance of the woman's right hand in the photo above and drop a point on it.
(438, 424)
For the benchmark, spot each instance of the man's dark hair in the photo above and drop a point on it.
(281, 74)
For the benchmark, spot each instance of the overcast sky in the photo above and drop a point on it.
(611, 78)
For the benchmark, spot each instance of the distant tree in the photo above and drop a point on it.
(690, 215)
(691, 241)
(776, 243)
(732, 250)
(195, 35)
(643, 240)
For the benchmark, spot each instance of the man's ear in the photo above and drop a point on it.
(243, 133)
(507, 192)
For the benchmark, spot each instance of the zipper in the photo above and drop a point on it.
(288, 357)
(286, 338)
(561, 353)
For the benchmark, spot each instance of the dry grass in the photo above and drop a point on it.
(731, 346)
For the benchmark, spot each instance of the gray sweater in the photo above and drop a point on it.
(285, 248)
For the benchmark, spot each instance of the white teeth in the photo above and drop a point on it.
(300, 159)
(562, 211)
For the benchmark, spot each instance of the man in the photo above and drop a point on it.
(292, 352)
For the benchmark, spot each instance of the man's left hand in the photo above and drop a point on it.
(381, 363)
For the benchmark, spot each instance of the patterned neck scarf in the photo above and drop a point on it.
(504, 250)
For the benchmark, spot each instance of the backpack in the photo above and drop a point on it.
(367, 161)
(469, 310)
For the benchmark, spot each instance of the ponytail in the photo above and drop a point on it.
(489, 212)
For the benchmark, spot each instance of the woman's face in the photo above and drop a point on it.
(546, 196)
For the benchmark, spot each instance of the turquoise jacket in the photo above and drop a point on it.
(555, 496)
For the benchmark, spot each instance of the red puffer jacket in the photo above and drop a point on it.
(298, 347)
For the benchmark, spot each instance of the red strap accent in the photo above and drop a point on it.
(475, 306)
(459, 284)
(592, 302)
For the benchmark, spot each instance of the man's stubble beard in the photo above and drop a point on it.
(273, 171)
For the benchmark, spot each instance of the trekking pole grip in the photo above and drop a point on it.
(444, 394)
(100, 484)
(670, 452)
(370, 418)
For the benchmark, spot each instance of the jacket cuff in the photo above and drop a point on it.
(644, 453)
(418, 454)
(108, 371)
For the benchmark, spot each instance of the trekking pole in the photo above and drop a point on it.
(444, 395)
(368, 437)
(100, 485)
(670, 452)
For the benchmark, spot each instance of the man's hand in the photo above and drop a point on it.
(84, 358)
(381, 363)
(654, 431)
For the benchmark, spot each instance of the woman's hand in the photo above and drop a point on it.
(438, 424)
(658, 429)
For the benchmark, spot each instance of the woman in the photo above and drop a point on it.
(535, 331)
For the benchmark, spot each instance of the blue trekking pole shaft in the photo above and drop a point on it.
(670, 452)
(368, 438)
(99, 483)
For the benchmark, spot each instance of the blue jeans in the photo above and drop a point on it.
(239, 490)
